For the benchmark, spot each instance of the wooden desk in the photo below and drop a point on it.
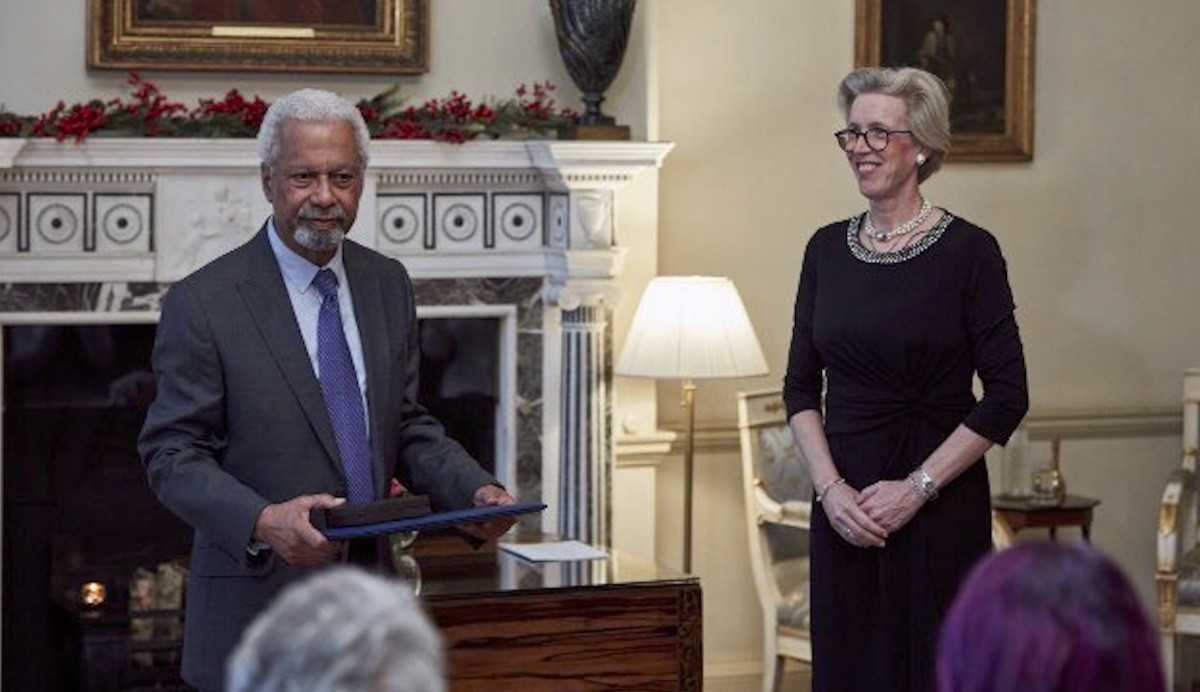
(1024, 514)
(513, 625)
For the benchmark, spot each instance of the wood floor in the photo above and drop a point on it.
(796, 680)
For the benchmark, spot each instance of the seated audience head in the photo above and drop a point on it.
(341, 630)
(1048, 617)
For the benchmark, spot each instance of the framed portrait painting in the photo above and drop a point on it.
(981, 49)
(347, 36)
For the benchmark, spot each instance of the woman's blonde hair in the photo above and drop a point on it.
(925, 97)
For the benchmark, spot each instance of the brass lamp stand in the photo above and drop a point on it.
(688, 402)
(686, 328)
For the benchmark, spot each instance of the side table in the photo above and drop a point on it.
(1023, 513)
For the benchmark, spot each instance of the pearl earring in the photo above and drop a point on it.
(921, 159)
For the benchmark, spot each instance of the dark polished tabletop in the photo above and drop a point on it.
(444, 566)
(1032, 504)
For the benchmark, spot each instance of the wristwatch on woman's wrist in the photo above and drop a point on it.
(923, 483)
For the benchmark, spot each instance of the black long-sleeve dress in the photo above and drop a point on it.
(893, 340)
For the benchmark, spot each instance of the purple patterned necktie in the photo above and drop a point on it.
(343, 398)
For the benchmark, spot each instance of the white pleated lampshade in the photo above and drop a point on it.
(691, 327)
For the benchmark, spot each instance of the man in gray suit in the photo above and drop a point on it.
(244, 438)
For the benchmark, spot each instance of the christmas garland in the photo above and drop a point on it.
(532, 113)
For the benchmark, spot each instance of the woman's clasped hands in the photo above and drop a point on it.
(842, 505)
(866, 518)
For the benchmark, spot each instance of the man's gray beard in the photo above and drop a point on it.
(318, 241)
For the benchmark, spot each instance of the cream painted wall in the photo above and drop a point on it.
(1098, 230)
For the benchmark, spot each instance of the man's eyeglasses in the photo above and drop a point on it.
(876, 137)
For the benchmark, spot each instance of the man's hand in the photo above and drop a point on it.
(484, 531)
(286, 528)
(492, 495)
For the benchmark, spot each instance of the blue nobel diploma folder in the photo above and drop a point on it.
(429, 522)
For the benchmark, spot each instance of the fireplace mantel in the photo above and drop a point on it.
(181, 202)
(125, 214)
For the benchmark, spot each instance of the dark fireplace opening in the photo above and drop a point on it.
(83, 534)
(460, 380)
(93, 565)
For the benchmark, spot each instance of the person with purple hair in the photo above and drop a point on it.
(1048, 617)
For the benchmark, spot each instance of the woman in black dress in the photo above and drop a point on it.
(897, 310)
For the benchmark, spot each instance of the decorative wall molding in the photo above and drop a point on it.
(644, 449)
(522, 208)
(77, 177)
(1065, 424)
(1101, 423)
(443, 178)
(9, 148)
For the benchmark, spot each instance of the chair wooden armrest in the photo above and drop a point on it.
(1177, 573)
(1002, 533)
(791, 513)
(1176, 520)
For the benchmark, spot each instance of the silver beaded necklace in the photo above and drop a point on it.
(903, 229)
(909, 251)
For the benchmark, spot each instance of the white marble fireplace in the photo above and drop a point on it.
(520, 231)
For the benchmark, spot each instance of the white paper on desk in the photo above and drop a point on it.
(555, 551)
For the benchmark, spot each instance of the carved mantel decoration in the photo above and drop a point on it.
(529, 223)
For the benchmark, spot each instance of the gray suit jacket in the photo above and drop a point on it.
(239, 423)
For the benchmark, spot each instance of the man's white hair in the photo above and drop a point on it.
(310, 105)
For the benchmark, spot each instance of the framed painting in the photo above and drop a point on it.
(346, 36)
(982, 50)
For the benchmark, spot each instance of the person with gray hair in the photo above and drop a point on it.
(898, 309)
(343, 630)
(286, 376)
(310, 105)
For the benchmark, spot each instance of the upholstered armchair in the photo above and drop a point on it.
(778, 505)
(1177, 578)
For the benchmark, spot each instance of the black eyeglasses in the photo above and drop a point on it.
(876, 137)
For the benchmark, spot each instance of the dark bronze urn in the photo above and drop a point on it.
(592, 35)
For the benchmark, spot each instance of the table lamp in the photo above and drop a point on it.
(687, 328)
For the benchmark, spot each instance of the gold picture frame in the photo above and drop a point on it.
(990, 74)
(346, 36)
